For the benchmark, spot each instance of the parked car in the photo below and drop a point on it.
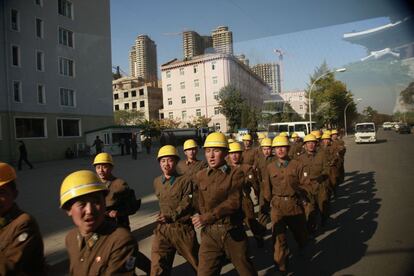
(387, 126)
(365, 133)
(404, 128)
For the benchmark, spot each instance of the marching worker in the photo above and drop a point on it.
(339, 146)
(21, 244)
(221, 218)
(317, 135)
(283, 190)
(191, 165)
(174, 231)
(96, 246)
(250, 181)
(264, 158)
(120, 200)
(249, 153)
(333, 159)
(315, 180)
(296, 147)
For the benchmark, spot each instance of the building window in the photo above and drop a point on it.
(213, 66)
(181, 71)
(15, 20)
(183, 100)
(40, 61)
(41, 96)
(134, 105)
(301, 107)
(30, 127)
(141, 103)
(17, 91)
(168, 87)
(195, 68)
(15, 55)
(116, 96)
(126, 106)
(300, 98)
(65, 8)
(116, 107)
(217, 126)
(214, 80)
(126, 94)
(216, 96)
(197, 97)
(198, 112)
(168, 74)
(66, 67)
(133, 93)
(67, 97)
(65, 37)
(183, 114)
(171, 115)
(169, 101)
(39, 28)
(216, 110)
(141, 92)
(182, 85)
(68, 127)
(196, 83)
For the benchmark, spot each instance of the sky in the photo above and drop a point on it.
(308, 34)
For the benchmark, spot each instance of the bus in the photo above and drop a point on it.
(301, 128)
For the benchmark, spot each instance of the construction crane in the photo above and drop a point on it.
(280, 53)
(119, 70)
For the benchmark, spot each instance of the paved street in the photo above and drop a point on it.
(370, 232)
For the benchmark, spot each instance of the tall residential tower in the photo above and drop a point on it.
(270, 73)
(145, 64)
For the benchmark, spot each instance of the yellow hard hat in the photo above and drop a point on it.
(190, 144)
(235, 147)
(266, 142)
(167, 150)
(328, 132)
(230, 141)
(216, 140)
(78, 184)
(247, 137)
(334, 131)
(261, 136)
(103, 158)
(326, 135)
(280, 141)
(283, 134)
(316, 133)
(7, 173)
(309, 138)
(295, 135)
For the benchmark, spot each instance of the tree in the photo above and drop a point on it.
(232, 104)
(200, 121)
(369, 113)
(168, 123)
(150, 129)
(329, 99)
(128, 117)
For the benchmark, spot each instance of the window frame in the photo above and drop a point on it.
(169, 101)
(31, 117)
(73, 67)
(197, 97)
(20, 91)
(198, 112)
(42, 62)
(43, 91)
(65, 9)
(42, 32)
(183, 100)
(74, 97)
(69, 119)
(61, 41)
(19, 63)
(17, 19)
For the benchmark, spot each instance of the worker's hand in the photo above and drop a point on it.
(161, 218)
(113, 214)
(197, 221)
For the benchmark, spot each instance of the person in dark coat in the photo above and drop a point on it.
(98, 143)
(23, 155)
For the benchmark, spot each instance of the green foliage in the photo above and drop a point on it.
(407, 95)
(150, 129)
(232, 104)
(201, 121)
(128, 117)
(329, 99)
(371, 115)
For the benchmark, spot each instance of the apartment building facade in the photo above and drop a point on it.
(222, 40)
(270, 73)
(55, 75)
(132, 94)
(297, 100)
(191, 87)
(143, 59)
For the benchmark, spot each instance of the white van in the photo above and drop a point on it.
(365, 133)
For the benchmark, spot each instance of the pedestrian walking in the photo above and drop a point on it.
(122, 145)
(21, 244)
(128, 146)
(98, 143)
(23, 156)
(282, 189)
(95, 246)
(174, 231)
(147, 144)
(221, 216)
(120, 201)
(134, 147)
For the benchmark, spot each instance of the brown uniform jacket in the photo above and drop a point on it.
(339, 146)
(184, 167)
(315, 170)
(248, 156)
(175, 197)
(111, 250)
(21, 245)
(220, 194)
(282, 182)
(250, 178)
(296, 149)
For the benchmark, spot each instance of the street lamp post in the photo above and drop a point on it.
(346, 132)
(310, 92)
